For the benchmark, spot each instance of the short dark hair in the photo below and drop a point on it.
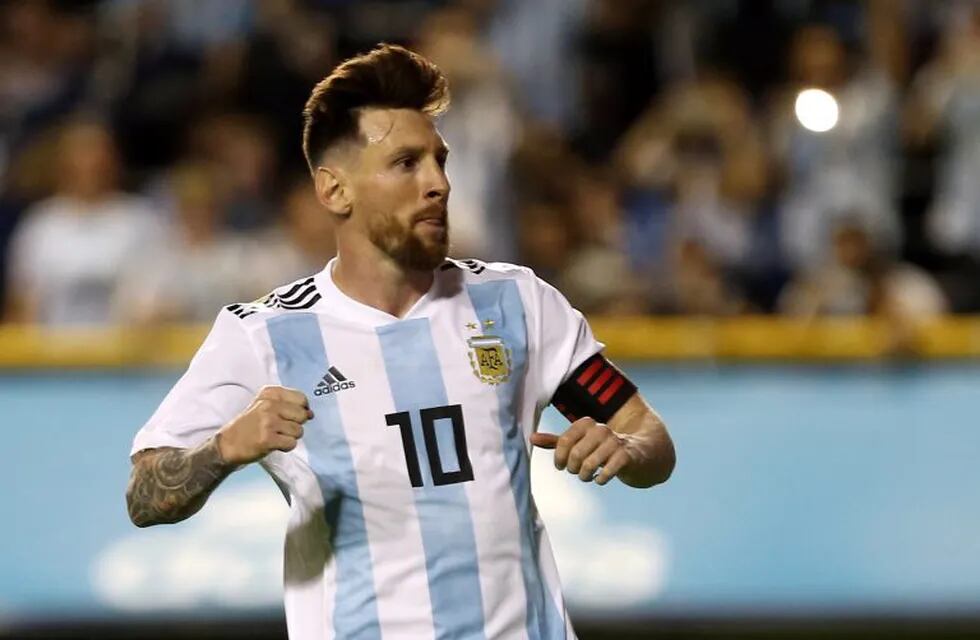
(388, 76)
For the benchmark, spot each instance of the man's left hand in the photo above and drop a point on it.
(587, 446)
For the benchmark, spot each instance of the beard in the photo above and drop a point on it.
(404, 246)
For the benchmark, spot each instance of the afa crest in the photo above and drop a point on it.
(490, 359)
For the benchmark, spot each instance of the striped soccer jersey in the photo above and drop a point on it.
(410, 506)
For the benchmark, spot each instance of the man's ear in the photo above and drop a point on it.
(333, 191)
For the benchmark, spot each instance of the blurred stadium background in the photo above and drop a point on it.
(770, 210)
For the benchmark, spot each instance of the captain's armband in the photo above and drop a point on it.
(596, 389)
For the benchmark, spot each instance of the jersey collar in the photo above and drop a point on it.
(337, 303)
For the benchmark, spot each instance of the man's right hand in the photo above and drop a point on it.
(274, 421)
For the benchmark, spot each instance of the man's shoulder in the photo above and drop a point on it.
(60, 212)
(47, 214)
(480, 271)
(299, 295)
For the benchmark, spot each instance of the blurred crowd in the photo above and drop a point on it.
(645, 156)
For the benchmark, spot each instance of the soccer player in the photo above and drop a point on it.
(394, 396)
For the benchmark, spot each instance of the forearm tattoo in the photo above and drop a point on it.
(168, 485)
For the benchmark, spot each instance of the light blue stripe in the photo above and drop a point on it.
(500, 302)
(444, 511)
(301, 359)
(446, 445)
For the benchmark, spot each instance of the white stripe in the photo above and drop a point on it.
(392, 523)
(308, 572)
(491, 499)
(529, 418)
(549, 574)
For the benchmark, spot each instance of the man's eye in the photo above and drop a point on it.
(407, 162)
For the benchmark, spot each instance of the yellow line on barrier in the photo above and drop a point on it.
(773, 338)
(37, 347)
(646, 338)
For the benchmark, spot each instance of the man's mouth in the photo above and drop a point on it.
(434, 219)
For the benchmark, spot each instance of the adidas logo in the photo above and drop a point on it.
(332, 382)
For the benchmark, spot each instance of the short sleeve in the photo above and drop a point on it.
(220, 382)
(563, 340)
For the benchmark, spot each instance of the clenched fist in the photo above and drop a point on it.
(274, 421)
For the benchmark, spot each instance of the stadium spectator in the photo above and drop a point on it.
(840, 287)
(195, 268)
(165, 64)
(945, 108)
(546, 238)
(481, 129)
(695, 170)
(43, 56)
(536, 43)
(69, 251)
(542, 163)
(619, 47)
(571, 228)
(242, 150)
(695, 285)
(859, 280)
(298, 245)
(292, 48)
(598, 274)
(600, 281)
(848, 168)
(717, 181)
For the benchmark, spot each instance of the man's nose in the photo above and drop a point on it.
(437, 184)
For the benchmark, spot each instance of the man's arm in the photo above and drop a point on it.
(613, 428)
(169, 484)
(645, 439)
(633, 446)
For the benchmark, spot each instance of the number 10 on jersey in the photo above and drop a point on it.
(429, 416)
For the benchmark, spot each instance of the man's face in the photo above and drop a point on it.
(400, 190)
(88, 161)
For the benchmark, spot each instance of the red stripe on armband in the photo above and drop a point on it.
(601, 380)
(611, 390)
(586, 375)
(596, 389)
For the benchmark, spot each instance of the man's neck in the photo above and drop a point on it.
(367, 275)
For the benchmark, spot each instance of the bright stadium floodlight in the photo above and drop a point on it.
(817, 110)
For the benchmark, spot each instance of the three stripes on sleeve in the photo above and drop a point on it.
(301, 295)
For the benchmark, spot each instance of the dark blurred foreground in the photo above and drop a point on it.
(662, 628)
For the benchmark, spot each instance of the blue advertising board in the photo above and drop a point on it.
(798, 490)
